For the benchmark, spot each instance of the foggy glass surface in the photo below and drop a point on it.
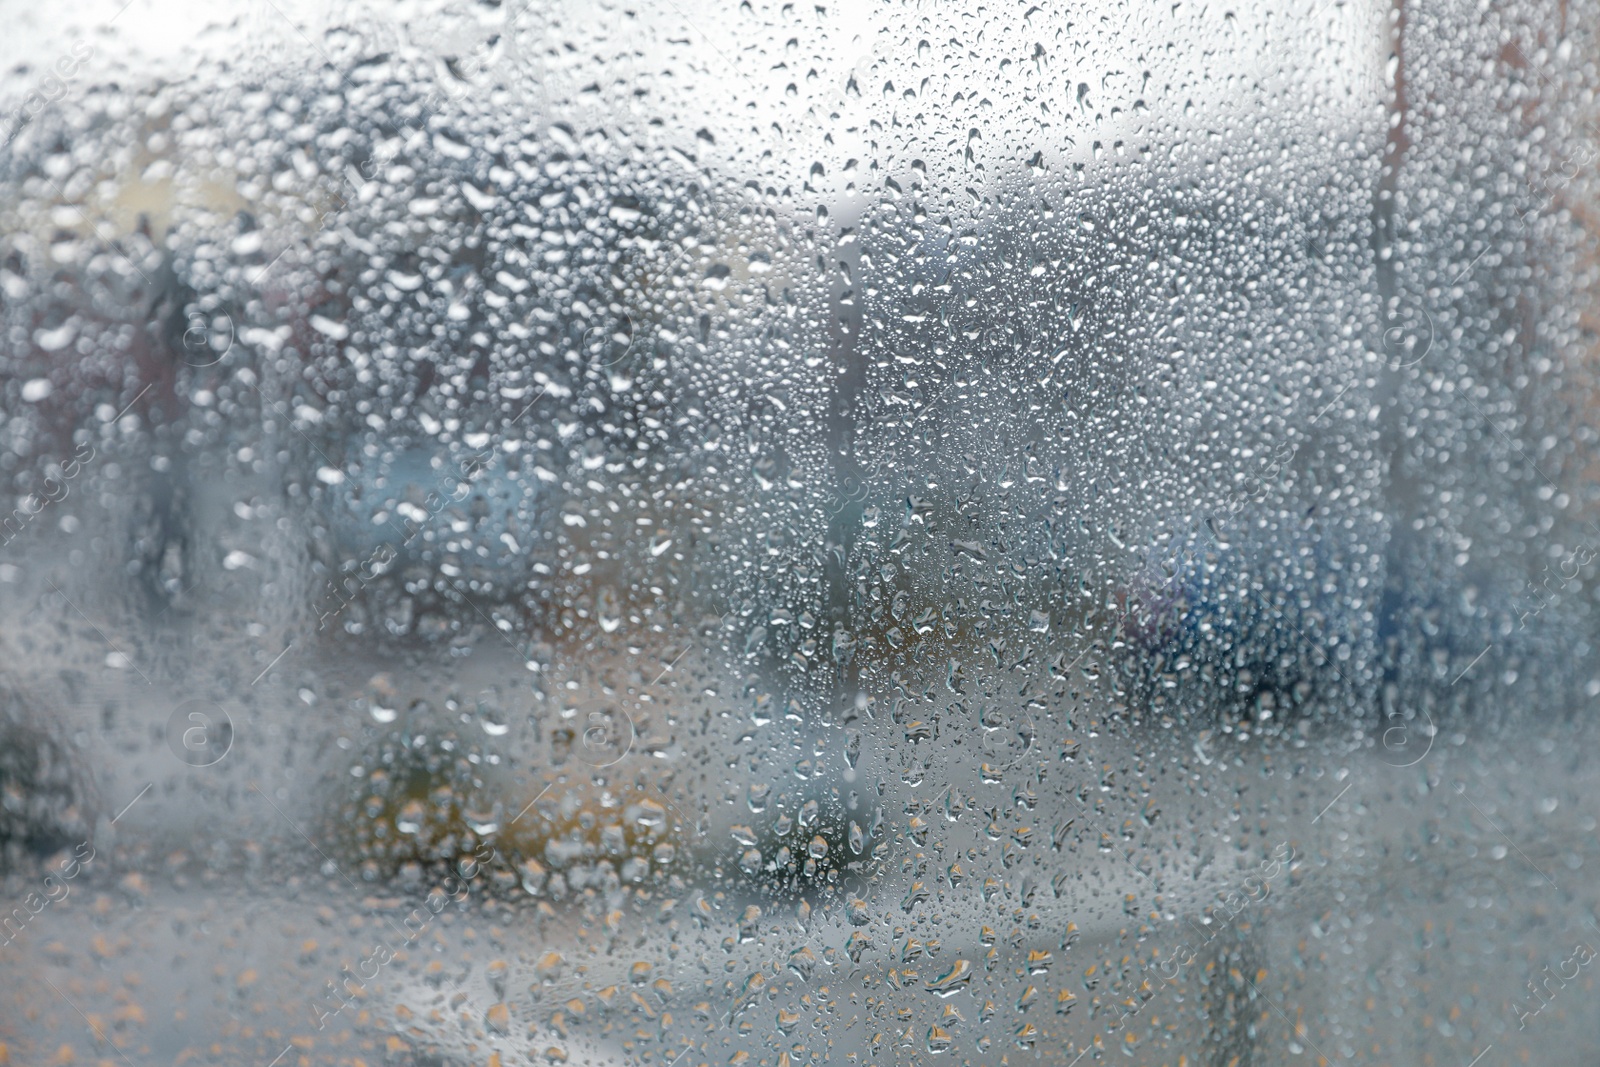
(771, 533)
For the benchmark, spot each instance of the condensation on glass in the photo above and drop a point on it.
(771, 534)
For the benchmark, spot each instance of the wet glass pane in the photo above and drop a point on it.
(771, 534)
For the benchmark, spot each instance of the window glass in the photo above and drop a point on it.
(779, 533)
